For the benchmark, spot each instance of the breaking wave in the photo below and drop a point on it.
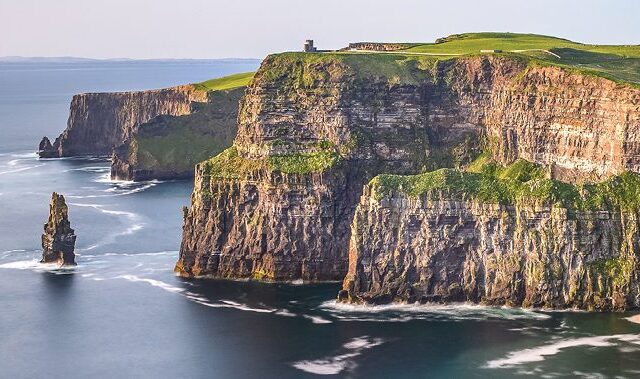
(334, 365)
(434, 312)
(539, 353)
(133, 222)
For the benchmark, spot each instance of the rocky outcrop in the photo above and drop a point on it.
(443, 247)
(58, 239)
(46, 149)
(281, 209)
(100, 121)
(315, 128)
(168, 147)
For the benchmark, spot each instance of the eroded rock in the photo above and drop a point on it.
(58, 239)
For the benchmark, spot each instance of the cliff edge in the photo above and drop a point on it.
(291, 200)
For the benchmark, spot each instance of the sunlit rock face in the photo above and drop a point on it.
(314, 129)
(58, 239)
(98, 122)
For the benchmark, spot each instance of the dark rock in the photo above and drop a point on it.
(58, 239)
(46, 149)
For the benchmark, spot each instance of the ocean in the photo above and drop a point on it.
(122, 312)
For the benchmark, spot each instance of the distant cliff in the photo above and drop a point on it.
(168, 147)
(100, 121)
(154, 134)
(314, 129)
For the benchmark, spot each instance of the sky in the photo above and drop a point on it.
(255, 28)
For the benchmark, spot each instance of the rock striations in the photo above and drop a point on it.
(169, 146)
(100, 121)
(58, 239)
(287, 202)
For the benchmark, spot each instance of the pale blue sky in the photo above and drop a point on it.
(252, 28)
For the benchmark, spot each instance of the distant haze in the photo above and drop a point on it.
(254, 28)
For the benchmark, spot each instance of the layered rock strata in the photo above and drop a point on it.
(100, 121)
(58, 239)
(533, 252)
(315, 128)
(168, 147)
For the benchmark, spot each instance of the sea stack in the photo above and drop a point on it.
(46, 149)
(58, 239)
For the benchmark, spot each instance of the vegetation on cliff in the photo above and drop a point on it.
(230, 165)
(521, 181)
(170, 146)
(225, 82)
(616, 62)
(175, 144)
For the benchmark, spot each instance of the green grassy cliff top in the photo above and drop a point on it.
(620, 63)
(519, 182)
(225, 82)
(471, 43)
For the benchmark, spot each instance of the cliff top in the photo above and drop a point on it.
(620, 63)
(225, 82)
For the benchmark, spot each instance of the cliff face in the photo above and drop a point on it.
(168, 147)
(439, 247)
(311, 133)
(100, 121)
(314, 129)
(58, 239)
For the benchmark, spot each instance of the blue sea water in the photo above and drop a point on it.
(123, 313)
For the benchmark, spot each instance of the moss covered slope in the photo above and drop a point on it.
(169, 147)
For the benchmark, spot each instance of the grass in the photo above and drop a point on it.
(177, 143)
(230, 165)
(303, 163)
(472, 43)
(618, 269)
(617, 62)
(620, 63)
(226, 82)
(519, 182)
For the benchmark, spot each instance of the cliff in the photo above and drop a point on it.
(168, 147)
(503, 236)
(58, 240)
(312, 132)
(100, 121)
(314, 129)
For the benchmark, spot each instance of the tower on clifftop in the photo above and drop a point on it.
(308, 46)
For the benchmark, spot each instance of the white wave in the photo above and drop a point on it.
(21, 169)
(13, 251)
(285, 312)
(133, 221)
(35, 265)
(228, 304)
(338, 363)
(92, 169)
(317, 319)
(634, 318)
(29, 154)
(156, 283)
(106, 178)
(407, 312)
(539, 353)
